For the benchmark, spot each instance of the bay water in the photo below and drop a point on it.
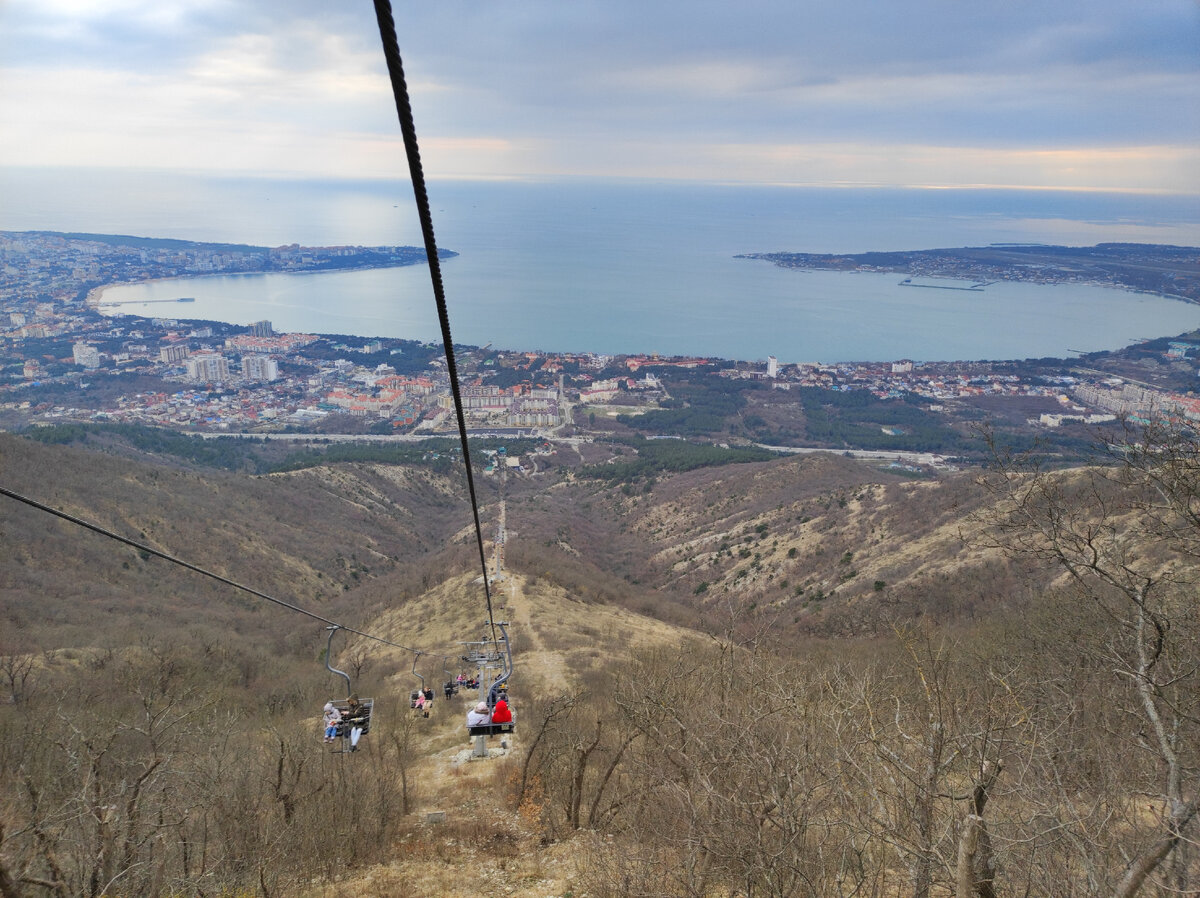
(630, 267)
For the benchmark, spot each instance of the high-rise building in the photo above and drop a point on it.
(772, 367)
(261, 329)
(173, 353)
(86, 355)
(208, 366)
(259, 368)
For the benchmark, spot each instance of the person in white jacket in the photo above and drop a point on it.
(331, 717)
(479, 716)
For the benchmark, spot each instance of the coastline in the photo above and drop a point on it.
(1163, 270)
(895, 328)
(96, 295)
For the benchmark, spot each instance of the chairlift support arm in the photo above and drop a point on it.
(329, 655)
(506, 657)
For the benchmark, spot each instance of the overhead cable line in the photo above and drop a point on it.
(103, 531)
(391, 52)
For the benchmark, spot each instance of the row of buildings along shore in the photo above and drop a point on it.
(259, 379)
(238, 378)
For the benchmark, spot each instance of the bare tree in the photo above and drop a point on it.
(976, 869)
(907, 730)
(737, 775)
(1125, 536)
(17, 674)
(576, 758)
(95, 794)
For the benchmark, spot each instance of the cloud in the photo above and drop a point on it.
(1020, 93)
(300, 65)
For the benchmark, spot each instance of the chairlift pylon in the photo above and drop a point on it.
(502, 657)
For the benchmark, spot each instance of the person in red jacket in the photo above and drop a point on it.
(501, 713)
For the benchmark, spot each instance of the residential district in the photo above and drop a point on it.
(63, 358)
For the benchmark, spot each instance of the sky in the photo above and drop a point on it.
(1063, 94)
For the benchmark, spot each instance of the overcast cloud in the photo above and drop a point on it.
(1088, 95)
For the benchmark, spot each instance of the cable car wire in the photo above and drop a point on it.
(142, 547)
(391, 52)
(387, 30)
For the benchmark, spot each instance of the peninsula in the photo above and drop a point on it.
(50, 264)
(1172, 271)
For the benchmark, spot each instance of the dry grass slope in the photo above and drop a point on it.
(478, 845)
(816, 544)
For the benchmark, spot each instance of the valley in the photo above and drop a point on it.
(784, 643)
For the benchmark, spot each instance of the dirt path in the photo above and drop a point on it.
(538, 669)
(465, 838)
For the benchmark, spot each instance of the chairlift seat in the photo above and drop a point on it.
(490, 729)
(362, 719)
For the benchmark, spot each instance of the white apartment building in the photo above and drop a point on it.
(174, 353)
(208, 366)
(86, 355)
(260, 368)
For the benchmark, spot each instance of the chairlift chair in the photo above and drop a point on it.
(450, 686)
(363, 719)
(505, 656)
(420, 690)
(360, 718)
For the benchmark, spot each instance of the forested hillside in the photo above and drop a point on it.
(792, 677)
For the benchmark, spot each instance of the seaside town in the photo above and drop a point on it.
(66, 357)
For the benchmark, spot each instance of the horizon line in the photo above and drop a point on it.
(535, 178)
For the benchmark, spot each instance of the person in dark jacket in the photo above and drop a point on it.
(356, 715)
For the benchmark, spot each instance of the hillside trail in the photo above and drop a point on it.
(465, 838)
(540, 665)
(536, 669)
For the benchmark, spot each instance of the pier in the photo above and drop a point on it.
(974, 288)
(135, 302)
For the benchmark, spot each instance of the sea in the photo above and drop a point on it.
(618, 267)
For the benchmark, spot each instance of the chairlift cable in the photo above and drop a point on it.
(387, 30)
(142, 547)
(391, 52)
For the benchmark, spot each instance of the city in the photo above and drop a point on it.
(62, 360)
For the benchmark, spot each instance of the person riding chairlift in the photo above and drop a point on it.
(356, 715)
(478, 716)
(501, 713)
(331, 717)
